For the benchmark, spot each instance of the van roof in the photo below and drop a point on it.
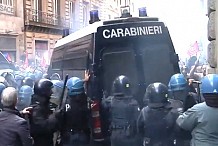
(91, 28)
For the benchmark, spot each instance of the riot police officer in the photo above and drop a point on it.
(43, 123)
(10, 79)
(28, 81)
(19, 80)
(202, 118)
(179, 91)
(124, 112)
(76, 129)
(157, 120)
(24, 97)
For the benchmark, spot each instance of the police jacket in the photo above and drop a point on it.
(42, 122)
(76, 120)
(14, 130)
(156, 125)
(77, 116)
(124, 113)
(202, 121)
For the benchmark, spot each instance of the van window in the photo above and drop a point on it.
(118, 61)
(156, 62)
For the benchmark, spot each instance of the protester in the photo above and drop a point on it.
(14, 130)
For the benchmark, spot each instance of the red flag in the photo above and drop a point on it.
(193, 50)
(43, 62)
(8, 57)
(26, 63)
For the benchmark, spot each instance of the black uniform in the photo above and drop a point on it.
(124, 112)
(76, 129)
(156, 122)
(42, 122)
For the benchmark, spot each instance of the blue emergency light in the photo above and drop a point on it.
(93, 16)
(142, 12)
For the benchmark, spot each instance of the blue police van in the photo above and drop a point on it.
(137, 47)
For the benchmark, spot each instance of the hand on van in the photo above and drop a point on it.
(87, 76)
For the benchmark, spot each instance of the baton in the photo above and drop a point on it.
(62, 94)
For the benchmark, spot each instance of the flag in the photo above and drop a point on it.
(26, 63)
(43, 62)
(193, 50)
(8, 57)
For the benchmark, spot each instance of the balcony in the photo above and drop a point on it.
(44, 19)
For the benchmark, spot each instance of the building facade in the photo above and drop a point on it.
(44, 22)
(212, 36)
(11, 24)
(30, 28)
(108, 9)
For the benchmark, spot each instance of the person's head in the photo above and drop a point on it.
(9, 97)
(19, 80)
(178, 86)
(75, 86)
(209, 89)
(57, 91)
(24, 96)
(10, 79)
(121, 86)
(31, 76)
(38, 75)
(28, 81)
(43, 87)
(157, 94)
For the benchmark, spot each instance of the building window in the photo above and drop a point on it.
(7, 2)
(36, 4)
(41, 53)
(72, 13)
(55, 7)
(56, 12)
(7, 7)
(124, 2)
(85, 14)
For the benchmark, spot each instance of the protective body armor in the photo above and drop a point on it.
(157, 126)
(124, 113)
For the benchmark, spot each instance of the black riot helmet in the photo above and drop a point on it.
(43, 87)
(28, 81)
(121, 86)
(157, 94)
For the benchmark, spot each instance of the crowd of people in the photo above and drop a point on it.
(172, 115)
